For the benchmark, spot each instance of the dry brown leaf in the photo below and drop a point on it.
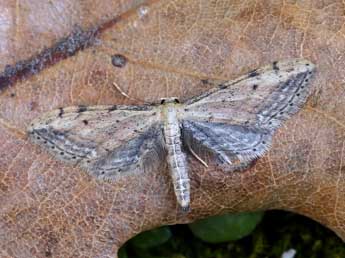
(170, 48)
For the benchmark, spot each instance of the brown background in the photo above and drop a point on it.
(51, 209)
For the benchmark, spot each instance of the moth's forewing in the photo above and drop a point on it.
(105, 140)
(241, 100)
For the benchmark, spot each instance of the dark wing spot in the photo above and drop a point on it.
(255, 86)
(119, 60)
(61, 111)
(222, 86)
(82, 109)
(112, 108)
(85, 122)
(12, 95)
(275, 66)
(253, 73)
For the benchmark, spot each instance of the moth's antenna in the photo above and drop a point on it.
(117, 87)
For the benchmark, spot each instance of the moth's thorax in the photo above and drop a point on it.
(170, 111)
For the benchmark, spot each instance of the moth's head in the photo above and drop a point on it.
(170, 100)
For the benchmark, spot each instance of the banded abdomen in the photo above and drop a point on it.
(176, 159)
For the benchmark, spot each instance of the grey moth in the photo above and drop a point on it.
(232, 123)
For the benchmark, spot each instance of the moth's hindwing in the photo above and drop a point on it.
(229, 144)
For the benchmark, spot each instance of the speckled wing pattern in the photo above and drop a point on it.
(236, 121)
(107, 141)
(233, 122)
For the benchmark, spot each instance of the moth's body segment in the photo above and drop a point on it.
(176, 158)
(233, 124)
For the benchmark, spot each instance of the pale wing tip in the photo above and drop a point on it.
(306, 64)
(42, 121)
(33, 126)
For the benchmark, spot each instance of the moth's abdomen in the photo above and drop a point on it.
(179, 172)
(176, 159)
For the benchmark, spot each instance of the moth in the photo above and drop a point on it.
(231, 124)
